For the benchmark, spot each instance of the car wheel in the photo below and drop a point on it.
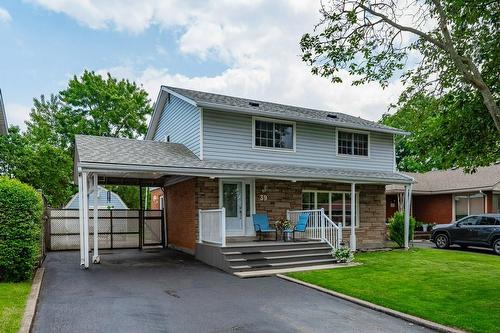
(442, 241)
(496, 246)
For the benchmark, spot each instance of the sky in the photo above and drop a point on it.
(246, 48)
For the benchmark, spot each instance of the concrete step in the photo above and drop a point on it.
(274, 271)
(280, 259)
(287, 264)
(277, 252)
(277, 255)
(276, 247)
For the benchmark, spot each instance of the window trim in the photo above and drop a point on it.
(273, 120)
(343, 204)
(337, 130)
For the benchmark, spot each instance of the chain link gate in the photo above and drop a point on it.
(118, 229)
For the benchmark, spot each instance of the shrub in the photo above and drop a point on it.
(343, 254)
(396, 228)
(21, 210)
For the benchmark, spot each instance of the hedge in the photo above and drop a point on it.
(21, 210)
(397, 228)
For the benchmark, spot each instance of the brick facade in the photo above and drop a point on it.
(155, 198)
(436, 208)
(273, 197)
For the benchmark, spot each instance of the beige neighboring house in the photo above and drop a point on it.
(4, 126)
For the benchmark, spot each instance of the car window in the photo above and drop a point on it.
(487, 220)
(473, 220)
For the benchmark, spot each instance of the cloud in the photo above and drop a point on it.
(17, 114)
(257, 40)
(5, 15)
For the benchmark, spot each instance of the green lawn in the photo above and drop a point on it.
(13, 298)
(459, 289)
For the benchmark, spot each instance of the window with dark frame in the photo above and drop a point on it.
(271, 134)
(351, 143)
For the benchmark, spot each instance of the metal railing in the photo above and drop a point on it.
(212, 226)
(319, 226)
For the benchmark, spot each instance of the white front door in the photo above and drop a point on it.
(232, 200)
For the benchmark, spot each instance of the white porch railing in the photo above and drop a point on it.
(212, 226)
(319, 226)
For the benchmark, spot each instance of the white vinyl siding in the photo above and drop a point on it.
(180, 122)
(228, 136)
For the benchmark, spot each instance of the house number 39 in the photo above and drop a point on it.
(263, 197)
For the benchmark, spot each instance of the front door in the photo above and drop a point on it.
(232, 200)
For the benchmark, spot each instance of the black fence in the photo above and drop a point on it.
(117, 229)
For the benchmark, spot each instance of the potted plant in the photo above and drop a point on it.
(283, 224)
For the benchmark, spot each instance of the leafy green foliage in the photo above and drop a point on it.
(450, 71)
(92, 105)
(21, 210)
(450, 131)
(40, 164)
(343, 254)
(396, 228)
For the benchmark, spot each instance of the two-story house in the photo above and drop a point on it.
(220, 159)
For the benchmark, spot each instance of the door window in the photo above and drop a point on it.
(231, 199)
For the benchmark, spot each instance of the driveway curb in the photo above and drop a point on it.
(29, 311)
(412, 319)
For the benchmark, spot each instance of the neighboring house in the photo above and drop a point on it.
(106, 198)
(208, 151)
(448, 195)
(4, 126)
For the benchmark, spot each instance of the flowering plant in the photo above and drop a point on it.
(283, 224)
(343, 254)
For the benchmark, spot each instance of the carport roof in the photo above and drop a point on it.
(114, 156)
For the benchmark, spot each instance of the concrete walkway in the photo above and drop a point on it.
(165, 291)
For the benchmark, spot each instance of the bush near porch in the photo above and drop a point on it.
(459, 289)
(21, 209)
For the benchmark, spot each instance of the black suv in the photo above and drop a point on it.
(475, 230)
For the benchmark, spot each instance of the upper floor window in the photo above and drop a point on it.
(352, 143)
(274, 134)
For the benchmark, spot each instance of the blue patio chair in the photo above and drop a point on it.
(300, 226)
(261, 225)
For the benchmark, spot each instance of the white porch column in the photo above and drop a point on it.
(95, 258)
(352, 239)
(407, 203)
(85, 205)
(80, 216)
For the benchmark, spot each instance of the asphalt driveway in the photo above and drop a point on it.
(166, 291)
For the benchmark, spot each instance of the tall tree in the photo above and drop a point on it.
(91, 105)
(439, 138)
(40, 164)
(458, 41)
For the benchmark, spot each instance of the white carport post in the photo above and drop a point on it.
(407, 202)
(80, 216)
(85, 205)
(95, 258)
(352, 239)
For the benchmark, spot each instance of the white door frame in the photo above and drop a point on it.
(246, 230)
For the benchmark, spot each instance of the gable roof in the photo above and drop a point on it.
(262, 108)
(116, 202)
(453, 180)
(166, 158)
(4, 126)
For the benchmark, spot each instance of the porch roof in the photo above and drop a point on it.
(127, 158)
